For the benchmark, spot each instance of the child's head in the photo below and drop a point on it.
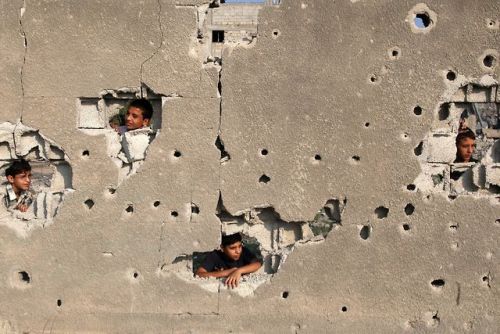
(465, 145)
(19, 175)
(231, 246)
(139, 113)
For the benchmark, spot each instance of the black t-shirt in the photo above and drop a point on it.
(217, 260)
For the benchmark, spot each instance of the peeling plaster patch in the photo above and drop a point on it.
(101, 115)
(51, 176)
(267, 235)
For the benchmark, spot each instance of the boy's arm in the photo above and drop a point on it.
(233, 278)
(202, 272)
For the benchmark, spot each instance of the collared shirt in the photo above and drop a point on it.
(11, 201)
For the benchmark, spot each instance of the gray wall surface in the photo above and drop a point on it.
(330, 90)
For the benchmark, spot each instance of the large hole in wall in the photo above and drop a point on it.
(106, 114)
(51, 178)
(266, 235)
(461, 154)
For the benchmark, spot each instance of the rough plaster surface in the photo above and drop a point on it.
(320, 79)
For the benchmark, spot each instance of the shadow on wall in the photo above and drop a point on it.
(51, 177)
(104, 115)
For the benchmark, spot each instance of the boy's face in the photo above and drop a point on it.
(134, 119)
(20, 182)
(233, 251)
(465, 149)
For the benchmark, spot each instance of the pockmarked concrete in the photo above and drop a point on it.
(324, 131)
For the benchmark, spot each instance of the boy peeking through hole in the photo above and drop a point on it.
(231, 261)
(138, 115)
(17, 193)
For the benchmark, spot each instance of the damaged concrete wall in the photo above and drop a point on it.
(318, 102)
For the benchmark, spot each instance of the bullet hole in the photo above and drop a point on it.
(85, 154)
(451, 76)
(489, 61)
(344, 309)
(24, 277)
(406, 227)
(405, 136)
(444, 111)
(497, 222)
(130, 209)
(394, 53)
(317, 157)
(177, 154)
(264, 152)
(452, 197)
(59, 303)
(355, 158)
(135, 274)
(417, 110)
(373, 79)
(217, 36)
(195, 210)
(156, 204)
(490, 22)
(365, 231)
(411, 187)
(486, 280)
(174, 213)
(418, 150)
(111, 190)
(285, 294)
(367, 124)
(276, 33)
(264, 179)
(89, 203)
(381, 212)
(409, 209)
(422, 20)
(438, 283)
(453, 227)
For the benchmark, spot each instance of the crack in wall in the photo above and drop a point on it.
(25, 43)
(157, 49)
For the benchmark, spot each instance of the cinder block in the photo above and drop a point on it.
(135, 144)
(480, 94)
(493, 175)
(89, 115)
(441, 148)
(460, 95)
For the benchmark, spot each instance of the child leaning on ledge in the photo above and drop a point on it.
(232, 261)
(17, 193)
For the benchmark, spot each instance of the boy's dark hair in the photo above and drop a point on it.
(17, 167)
(144, 105)
(230, 239)
(465, 134)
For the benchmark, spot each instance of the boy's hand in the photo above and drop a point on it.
(22, 207)
(233, 279)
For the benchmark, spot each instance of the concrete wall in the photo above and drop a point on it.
(330, 90)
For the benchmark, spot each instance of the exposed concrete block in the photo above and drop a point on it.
(460, 95)
(433, 178)
(441, 148)
(135, 144)
(5, 153)
(89, 115)
(480, 94)
(493, 175)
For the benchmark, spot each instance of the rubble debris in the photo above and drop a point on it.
(470, 105)
(104, 114)
(51, 176)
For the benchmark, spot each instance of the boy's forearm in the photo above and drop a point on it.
(250, 268)
(216, 274)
